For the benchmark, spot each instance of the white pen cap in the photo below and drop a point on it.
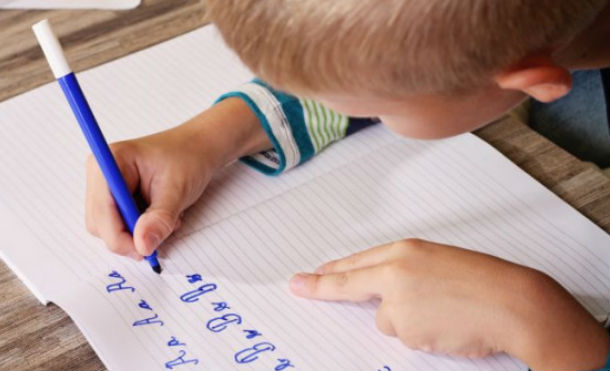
(51, 48)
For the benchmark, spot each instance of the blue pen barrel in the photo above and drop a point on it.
(102, 154)
(100, 149)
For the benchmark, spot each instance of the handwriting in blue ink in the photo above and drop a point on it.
(180, 361)
(251, 354)
(222, 323)
(118, 286)
(193, 295)
(144, 305)
(283, 364)
(173, 342)
(219, 306)
(251, 334)
(192, 278)
(218, 324)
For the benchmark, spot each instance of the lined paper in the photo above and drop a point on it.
(249, 233)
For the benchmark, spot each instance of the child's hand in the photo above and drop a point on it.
(449, 300)
(170, 170)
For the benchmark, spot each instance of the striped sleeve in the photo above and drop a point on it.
(297, 128)
(324, 126)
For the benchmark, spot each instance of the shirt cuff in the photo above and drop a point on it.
(281, 116)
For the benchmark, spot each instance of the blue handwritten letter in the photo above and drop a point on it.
(180, 361)
(173, 342)
(193, 296)
(144, 305)
(220, 323)
(192, 278)
(118, 285)
(250, 334)
(220, 306)
(283, 364)
(149, 321)
(251, 354)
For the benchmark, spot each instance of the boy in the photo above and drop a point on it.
(427, 69)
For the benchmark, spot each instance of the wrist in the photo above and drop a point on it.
(225, 132)
(552, 331)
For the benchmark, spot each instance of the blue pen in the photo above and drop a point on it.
(64, 75)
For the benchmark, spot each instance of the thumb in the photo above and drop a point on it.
(158, 221)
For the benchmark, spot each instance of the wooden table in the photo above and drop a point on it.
(37, 337)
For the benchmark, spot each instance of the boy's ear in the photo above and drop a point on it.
(537, 76)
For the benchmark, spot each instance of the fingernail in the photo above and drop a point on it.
(152, 241)
(319, 270)
(297, 283)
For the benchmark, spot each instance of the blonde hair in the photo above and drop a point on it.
(392, 47)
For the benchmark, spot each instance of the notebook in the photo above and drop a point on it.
(223, 301)
(69, 4)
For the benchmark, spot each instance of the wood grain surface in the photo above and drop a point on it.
(33, 336)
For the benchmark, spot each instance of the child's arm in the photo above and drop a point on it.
(269, 130)
(450, 300)
(170, 169)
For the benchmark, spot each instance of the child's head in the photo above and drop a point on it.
(428, 68)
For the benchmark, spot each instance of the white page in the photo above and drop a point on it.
(249, 241)
(69, 4)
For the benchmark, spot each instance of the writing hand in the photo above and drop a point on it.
(170, 170)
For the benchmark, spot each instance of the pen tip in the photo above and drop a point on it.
(157, 269)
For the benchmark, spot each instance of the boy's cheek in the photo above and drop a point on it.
(429, 129)
(448, 119)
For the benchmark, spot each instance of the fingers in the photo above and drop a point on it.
(116, 237)
(355, 285)
(358, 277)
(370, 257)
(160, 219)
(102, 216)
